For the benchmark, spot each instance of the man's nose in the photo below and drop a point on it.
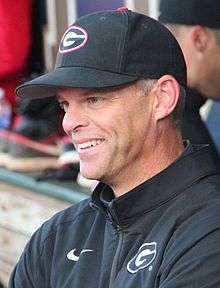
(74, 120)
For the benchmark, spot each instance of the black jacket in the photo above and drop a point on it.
(165, 233)
(193, 127)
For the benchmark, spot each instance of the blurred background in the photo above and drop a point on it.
(39, 169)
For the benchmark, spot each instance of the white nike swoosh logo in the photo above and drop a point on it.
(71, 254)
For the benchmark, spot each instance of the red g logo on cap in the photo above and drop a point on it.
(73, 39)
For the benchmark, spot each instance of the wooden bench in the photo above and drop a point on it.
(21, 213)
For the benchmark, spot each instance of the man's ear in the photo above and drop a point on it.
(200, 38)
(166, 96)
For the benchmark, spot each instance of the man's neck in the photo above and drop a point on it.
(164, 153)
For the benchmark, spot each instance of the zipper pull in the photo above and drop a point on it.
(118, 228)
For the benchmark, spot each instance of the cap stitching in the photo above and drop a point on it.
(123, 36)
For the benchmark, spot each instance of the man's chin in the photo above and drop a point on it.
(90, 175)
(95, 170)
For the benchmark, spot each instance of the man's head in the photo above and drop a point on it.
(119, 132)
(117, 78)
(196, 25)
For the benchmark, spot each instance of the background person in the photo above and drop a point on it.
(196, 26)
(153, 220)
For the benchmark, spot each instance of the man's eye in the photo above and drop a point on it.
(94, 100)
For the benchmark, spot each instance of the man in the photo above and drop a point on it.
(196, 26)
(153, 220)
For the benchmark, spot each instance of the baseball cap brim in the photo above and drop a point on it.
(71, 77)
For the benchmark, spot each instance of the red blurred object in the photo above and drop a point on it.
(15, 39)
(122, 9)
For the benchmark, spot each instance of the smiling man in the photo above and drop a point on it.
(153, 220)
(113, 131)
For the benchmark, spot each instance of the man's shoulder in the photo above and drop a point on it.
(198, 208)
(64, 220)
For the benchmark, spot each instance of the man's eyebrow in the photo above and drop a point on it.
(85, 93)
(96, 90)
(108, 89)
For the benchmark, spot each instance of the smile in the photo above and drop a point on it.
(89, 144)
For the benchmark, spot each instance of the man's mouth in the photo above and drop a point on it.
(89, 144)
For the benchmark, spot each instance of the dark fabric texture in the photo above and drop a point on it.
(190, 12)
(165, 233)
(193, 127)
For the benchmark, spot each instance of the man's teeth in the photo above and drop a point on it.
(89, 144)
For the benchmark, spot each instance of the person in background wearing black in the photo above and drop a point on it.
(153, 220)
(196, 26)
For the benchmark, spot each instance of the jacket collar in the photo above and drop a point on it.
(194, 101)
(195, 163)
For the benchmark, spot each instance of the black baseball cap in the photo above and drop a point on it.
(190, 12)
(107, 49)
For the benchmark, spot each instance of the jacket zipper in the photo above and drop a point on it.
(113, 273)
(115, 259)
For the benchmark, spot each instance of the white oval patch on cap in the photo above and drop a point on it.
(74, 38)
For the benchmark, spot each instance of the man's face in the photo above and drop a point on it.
(202, 54)
(111, 130)
(210, 83)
